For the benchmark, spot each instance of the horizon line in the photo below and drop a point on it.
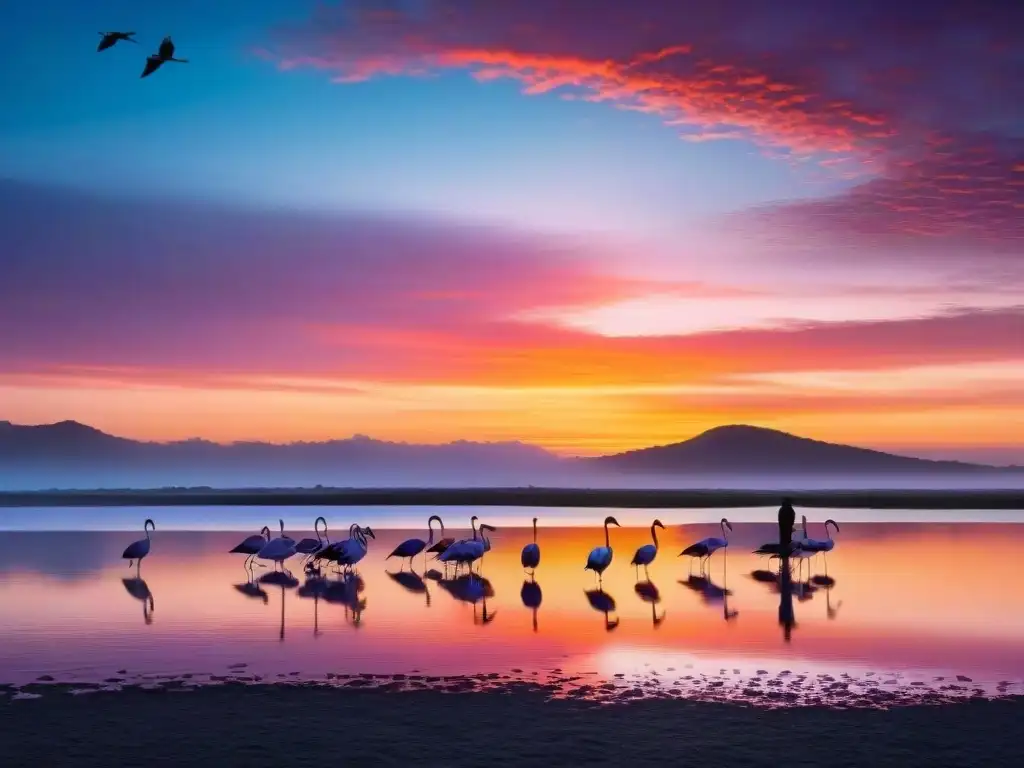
(465, 441)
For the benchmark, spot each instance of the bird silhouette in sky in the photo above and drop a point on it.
(111, 38)
(164, 54)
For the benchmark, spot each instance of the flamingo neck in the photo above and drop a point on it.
(535, 531)
(725, 536)
(654, 535)
(607, 540)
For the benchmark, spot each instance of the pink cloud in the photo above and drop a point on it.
(924, 102)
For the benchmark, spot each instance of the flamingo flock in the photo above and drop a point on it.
(346, 553)
(467, 554)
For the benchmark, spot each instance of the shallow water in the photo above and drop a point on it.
(903, 603)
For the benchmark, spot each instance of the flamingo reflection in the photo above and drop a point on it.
(314, 587)
(411, 581)
(284, 580)
(253, 589)
(801, 590)
(711, 594)
(650, 594)
(531, 596)
(826, 583)
(601, 601)
(138, 589)
(473, 589)
(346, 591)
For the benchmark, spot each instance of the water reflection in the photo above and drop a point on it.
(284, 580)
(411, 581)
(314, 587)
(473, 589)
(252, 588)
(650, 594)
(787, 619)
(139, 589)
(711, 594)
(948, 624)
(346, 590)
(531, 596)
(601, 601)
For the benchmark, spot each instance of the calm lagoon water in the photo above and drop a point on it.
(922, 598)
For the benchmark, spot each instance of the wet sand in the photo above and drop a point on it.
(521, 497)
(257, 725)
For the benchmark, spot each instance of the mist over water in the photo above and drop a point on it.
(30, 480)
(299, 520)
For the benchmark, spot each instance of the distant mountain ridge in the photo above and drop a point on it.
(70, 454)
(758, 449)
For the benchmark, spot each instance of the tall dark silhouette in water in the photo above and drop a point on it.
(164, 54)
(110, 38)
(787, 517)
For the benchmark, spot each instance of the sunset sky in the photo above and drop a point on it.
(592, 225)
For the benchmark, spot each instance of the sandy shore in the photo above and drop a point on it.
(520, 497)
(263, 725)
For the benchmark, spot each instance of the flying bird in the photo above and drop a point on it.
(164, 54)
(111, 38)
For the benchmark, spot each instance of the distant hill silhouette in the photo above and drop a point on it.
(69, 454)
(742, 448)
(73, 455)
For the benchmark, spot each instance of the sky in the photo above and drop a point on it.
(585, 224)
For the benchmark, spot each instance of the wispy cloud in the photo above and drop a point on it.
(923, 103)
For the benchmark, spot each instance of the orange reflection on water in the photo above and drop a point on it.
(936, 597)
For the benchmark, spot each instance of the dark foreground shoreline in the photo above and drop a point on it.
(264, 725)
(519, 497)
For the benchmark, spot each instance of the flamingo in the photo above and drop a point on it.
(468, 551)
(278, 550)
(531, 552)
(601, 557)
(818, 545)
(333, 553)
(354, 548)
(251, 545)
(412, 547)
(442, 544)
(472, 523)
(310, 546)
(645, 555)
(164, 54)
(137, 550)
(110, 38)
(705, 548)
